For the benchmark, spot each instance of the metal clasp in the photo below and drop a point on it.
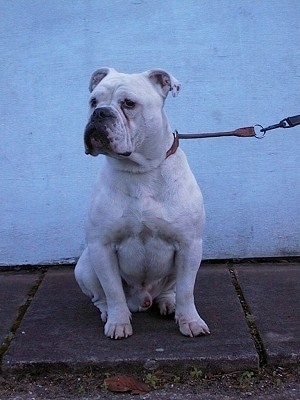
(288, 122)
(281, 124)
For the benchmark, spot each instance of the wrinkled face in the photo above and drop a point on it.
(125, 110)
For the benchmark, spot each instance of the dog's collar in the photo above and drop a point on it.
(174, 146)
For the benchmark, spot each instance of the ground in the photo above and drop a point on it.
(277, 383)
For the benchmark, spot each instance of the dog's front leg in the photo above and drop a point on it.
(105, 263)
(187, 261)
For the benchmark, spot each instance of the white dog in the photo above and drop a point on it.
(144, 228)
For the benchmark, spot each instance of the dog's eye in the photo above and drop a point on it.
(128, 103)
(93, 102)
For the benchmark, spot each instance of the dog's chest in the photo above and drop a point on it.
(145, 218)
(145, 242)
(144, 239)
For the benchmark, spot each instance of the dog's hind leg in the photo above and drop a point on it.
(90, 285)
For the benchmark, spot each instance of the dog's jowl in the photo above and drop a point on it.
(145, 222)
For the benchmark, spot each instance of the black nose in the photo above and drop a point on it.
(126, 154)
(103, 112)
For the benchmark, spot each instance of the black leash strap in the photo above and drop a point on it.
(288, 122)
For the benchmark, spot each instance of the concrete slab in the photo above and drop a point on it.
(62, 327)
(14, 287)
(273, 293)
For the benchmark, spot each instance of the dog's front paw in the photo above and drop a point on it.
(192, 327)
(118, 331)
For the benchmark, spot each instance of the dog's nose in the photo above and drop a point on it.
(126, 154)
(103, 112)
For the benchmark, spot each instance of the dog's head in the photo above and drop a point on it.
(126, 111)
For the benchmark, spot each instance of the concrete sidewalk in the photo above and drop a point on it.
(253, 311)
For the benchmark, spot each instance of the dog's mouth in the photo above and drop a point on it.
(99, 138)
(96, 140)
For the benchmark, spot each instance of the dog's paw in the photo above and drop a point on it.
(103, 314)
(103, 310)
(118, 331)
(166, 306)
(102, 307)
(192, 327)
(166, 302)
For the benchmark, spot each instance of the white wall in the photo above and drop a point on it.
(238, 62)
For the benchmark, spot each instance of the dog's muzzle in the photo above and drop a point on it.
(98, 134)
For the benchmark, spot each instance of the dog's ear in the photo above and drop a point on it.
(98, 76)
(163, 81)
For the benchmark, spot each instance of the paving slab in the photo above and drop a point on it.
(14, 287)
(272, 292)
(63, 328)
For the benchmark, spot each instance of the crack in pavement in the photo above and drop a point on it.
(250, 320)
(21, 313)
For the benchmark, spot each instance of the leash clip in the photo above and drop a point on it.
(288, 122)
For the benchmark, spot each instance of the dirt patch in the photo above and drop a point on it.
(91, 384)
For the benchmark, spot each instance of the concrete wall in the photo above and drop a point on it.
(238, 62)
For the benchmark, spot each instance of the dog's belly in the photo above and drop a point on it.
(145, 258)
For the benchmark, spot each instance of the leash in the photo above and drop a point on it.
(249, 131)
